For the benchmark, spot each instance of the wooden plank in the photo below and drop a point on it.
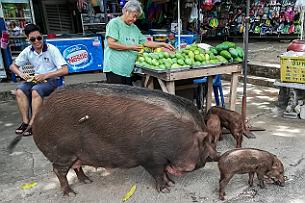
(232, 97)
(209, 93)
(149, 82)
(163, 86)
(170, 87)
(193, 73)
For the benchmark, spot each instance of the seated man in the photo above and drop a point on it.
(49, 65)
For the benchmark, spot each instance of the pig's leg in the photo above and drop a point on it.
(238, 137)
(251, 176)
(158, 173)
(260, 176)
(81, 176)
(168, 181)
(224, 180)
(61, 172)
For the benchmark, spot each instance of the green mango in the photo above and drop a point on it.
(166, 55)
(238, 60)
(233, 52)
(141, 59)
(181, 62)
(240, 52)
(175, 65)
(188, 61)
(198, 58)
(226, 54)
(214, 51)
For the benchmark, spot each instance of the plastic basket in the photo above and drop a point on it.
(189, 39)
(292, 69)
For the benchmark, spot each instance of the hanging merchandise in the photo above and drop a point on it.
(300, 7)
(194, 13)
(81, 5)
(214, 22)
(207, 5)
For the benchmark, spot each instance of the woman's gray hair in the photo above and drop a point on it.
(133, 6)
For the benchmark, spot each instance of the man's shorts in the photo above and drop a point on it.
(44, 89)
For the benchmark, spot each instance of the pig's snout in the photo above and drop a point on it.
(280, 181)
(213, 154)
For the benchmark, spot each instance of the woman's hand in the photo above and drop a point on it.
(168, 46)
(136, 47)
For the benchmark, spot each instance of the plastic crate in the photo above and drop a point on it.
(188, 39)
(292, 69)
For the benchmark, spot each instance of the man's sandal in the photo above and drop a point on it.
(21, 128)
(28, 131)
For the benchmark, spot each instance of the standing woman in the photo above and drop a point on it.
(123, 41)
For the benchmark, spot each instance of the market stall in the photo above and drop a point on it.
(192, 62)
(167, 79)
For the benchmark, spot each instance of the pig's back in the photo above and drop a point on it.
(180, 107)
(244, 160)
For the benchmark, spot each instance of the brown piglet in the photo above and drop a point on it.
(251, 161)
(232, 121)
(214, 128)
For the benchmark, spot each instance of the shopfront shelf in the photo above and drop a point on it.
(17, 18)
(94, 24)
(17, 37)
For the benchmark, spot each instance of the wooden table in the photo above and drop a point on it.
(167, 79)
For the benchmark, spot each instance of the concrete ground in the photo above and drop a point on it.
(283, 137)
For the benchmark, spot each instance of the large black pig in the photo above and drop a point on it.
(115, 126)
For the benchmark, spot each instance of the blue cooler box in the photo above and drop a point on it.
(188, 39)
(81, 54)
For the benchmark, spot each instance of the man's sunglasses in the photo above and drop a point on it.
(33, 39)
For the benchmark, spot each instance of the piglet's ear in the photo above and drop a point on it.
(276, 163)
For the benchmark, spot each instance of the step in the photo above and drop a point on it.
(254, 80)
(267, 70)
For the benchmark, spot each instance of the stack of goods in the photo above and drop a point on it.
(190, 57)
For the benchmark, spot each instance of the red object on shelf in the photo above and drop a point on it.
(297, 45)
(51, 36)
(207, 5)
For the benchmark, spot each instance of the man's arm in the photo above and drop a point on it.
(15, 69)
(60, 72)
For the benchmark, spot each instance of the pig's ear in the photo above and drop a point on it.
(276, 163)
(201, 136)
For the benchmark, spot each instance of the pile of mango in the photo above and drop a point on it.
(191, 57)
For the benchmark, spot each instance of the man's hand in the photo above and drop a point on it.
(40, 77)
(25, 76)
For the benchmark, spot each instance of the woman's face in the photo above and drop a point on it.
(130, 17)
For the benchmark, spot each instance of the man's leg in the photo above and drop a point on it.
(23, 105)
(23, 94)
(36, 104)
(39, 91)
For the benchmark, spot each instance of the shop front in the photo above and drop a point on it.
(59, 19)
(268, 18)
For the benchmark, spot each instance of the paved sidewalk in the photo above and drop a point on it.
(283, 137)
